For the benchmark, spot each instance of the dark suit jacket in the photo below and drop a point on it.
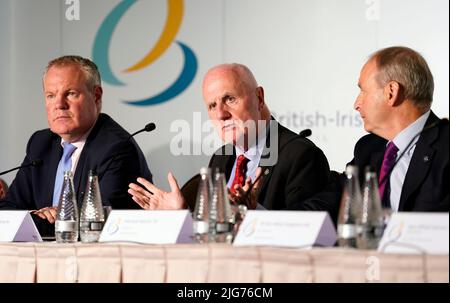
(426, 186)
(117, 161)
(301, 170)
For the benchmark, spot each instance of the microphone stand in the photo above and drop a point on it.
(148, 128)
(36, 163)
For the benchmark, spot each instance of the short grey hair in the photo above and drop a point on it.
(89, 68)
(408, 68)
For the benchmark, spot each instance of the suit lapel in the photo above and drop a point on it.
(55, 156)
(229, 163)
(223, 160)
(376, 160)
(268, 169)
(267, 174)
(79, 172)
(80, 177)
(420, 165)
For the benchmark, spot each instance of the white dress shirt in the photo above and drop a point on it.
(79, 144)
(398, 174)
(253, 154)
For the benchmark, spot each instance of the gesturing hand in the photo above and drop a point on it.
(151, 197)
(242, 197)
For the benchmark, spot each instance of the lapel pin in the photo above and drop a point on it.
(426, 159)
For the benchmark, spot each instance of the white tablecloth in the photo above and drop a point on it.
(52, 262)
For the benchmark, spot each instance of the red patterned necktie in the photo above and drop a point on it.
(388, 162)
(239, 175)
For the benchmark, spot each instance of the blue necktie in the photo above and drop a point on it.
(65, 164)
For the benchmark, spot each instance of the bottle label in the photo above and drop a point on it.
(91, 225)
(200, 227)
(347, 231)
(224, 227)
(63, 226)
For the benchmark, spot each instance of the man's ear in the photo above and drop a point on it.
(260, 96)
(98, 93)
(392, 92)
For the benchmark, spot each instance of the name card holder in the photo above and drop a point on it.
(416, 233)
(297, 229)
(148, 226)
(18, 226)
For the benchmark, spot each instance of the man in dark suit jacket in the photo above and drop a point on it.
(292, 167)
(395, 99)
(425, 186)
(73, 92)
(300, 171)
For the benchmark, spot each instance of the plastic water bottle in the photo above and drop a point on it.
(202, 204)
(66, 225)
(372, 216)
(92, 217)
(349, 219)
(223, 216)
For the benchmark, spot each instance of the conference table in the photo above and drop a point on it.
(215, 262)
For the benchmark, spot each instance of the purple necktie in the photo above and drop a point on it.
(390, 155)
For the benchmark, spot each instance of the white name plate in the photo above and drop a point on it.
(148, 226)
(18, 226)
(299, 229)
(409, 232)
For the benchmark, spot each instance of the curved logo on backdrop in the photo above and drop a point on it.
(174, 17)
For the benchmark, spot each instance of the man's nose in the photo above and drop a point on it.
(222, 112)
(357, 103)
(61, 102)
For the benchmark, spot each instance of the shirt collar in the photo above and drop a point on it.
(255, 151)
(81, 141)
(407, 135)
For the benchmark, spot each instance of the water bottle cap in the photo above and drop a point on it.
(68, 173)
(204, 170)
(351, 169)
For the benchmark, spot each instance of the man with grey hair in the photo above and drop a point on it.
(80, 138)
(396, 91)
(291, 167)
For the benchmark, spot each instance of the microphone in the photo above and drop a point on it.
(148, 128)
(432, 125)
(34, 163)
(305, 133)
